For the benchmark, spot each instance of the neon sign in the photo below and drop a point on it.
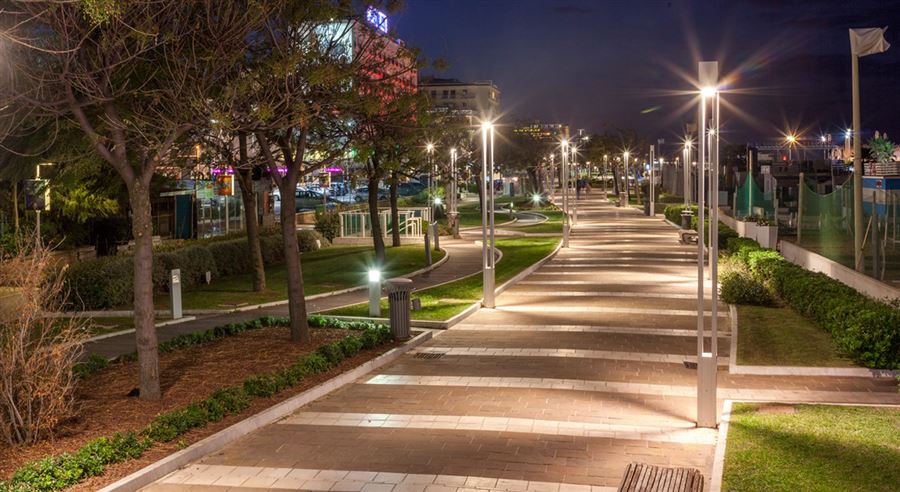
(377, 18)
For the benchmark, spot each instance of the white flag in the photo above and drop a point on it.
(868, 41)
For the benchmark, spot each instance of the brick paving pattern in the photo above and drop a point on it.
(579, 371)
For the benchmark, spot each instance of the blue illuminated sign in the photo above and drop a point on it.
(378, 19)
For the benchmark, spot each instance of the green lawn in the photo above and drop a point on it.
(445, 301)
(470, 215)
(328, 269)
(779, 336)
(553, 224)
(815, 448)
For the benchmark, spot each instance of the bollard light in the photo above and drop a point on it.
(374, 292)
(437, 200)
(536, 198)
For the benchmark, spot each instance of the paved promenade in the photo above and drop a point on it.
(465, 259)
(579, 371)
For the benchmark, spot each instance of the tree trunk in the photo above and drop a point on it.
(395, 212)
(248, 198)
(615, 171)
(377, 233)
(144, 328)
(296, 297)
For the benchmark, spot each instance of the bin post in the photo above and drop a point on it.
(428, 246)
(175, 292)
(686, 219)
(399, 290)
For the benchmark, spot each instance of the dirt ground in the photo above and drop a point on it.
(188, 375)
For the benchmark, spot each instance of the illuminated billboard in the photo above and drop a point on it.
(378, 19)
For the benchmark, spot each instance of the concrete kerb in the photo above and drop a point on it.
(213, 443)
(719, 455)
(853, 372)
(263, 305)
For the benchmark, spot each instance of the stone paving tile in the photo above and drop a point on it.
(579, 372)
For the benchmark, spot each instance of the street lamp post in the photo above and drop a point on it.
(454, 214)
(577, 191)
(707, 361)
(432, 190)
(625, 162)
(564, 153)
(686, 172)
(652, 181)
(487, 214)
(605, 172)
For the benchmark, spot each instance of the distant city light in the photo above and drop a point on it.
(378, 19)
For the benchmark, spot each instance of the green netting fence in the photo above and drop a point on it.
(751, 200)
(825, 226)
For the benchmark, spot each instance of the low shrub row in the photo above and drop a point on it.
(106, 282)
(866, 329)
(67, 469)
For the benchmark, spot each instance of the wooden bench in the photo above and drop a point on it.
(688, 236)
(640, 477)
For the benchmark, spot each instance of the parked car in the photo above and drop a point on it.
(410, 188)
(362, 194)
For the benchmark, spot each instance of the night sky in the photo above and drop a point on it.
(625, 63)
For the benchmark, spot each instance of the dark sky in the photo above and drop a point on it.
(594, 62)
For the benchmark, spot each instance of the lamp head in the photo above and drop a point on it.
(708, 91)
(437, 200)
(486, 125)
(429, 147)
(374, 275)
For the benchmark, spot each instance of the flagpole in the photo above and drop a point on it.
(857, 171)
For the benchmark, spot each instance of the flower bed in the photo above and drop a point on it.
(256, 355)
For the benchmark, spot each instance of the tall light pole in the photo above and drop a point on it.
(707, 361)
(652, 181)
(553, 174)
(605, 171)
(432, 191)
(564, 153)
(791, 140)
(454, 215)
(577, 192)
(686, 172)
(487, 214)
(625, 163)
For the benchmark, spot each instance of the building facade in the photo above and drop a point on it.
(480, 100)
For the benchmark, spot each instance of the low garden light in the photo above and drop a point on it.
(374, 292)
(536, 198)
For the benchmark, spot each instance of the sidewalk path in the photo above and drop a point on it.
(465, 259)
(578, 372)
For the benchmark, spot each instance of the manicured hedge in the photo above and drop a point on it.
(866, 329)
(67, 469)
(106, 282)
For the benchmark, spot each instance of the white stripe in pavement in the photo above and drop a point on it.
(594, 293)
(567, 353)
(607, 310)
(238, 477)
(625, 330)
(617, 264)
(747, 394)
(625, 273)
(683, 432)
(683, 283)
(598, 260)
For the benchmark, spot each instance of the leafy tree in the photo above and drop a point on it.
(127, 73)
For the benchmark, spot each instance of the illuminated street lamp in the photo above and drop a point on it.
(432, 190)
(791, 140)
(574, 149)
(375, 293)
(564, 152)
(487, 214)
(707, 361)
(605, 171)
(686, 171)
(625, 161)
(454, 215)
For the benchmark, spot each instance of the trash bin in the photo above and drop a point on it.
(623, 201)
(686, 219)
(398, 291)
(647, 208)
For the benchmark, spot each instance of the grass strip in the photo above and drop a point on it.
(325, 270)
(779, 336)
(812, 448)
(445, 301)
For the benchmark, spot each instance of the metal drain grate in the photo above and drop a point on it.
(429, 355)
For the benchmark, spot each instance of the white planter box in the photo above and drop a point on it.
(750, 230)
(767, 236)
